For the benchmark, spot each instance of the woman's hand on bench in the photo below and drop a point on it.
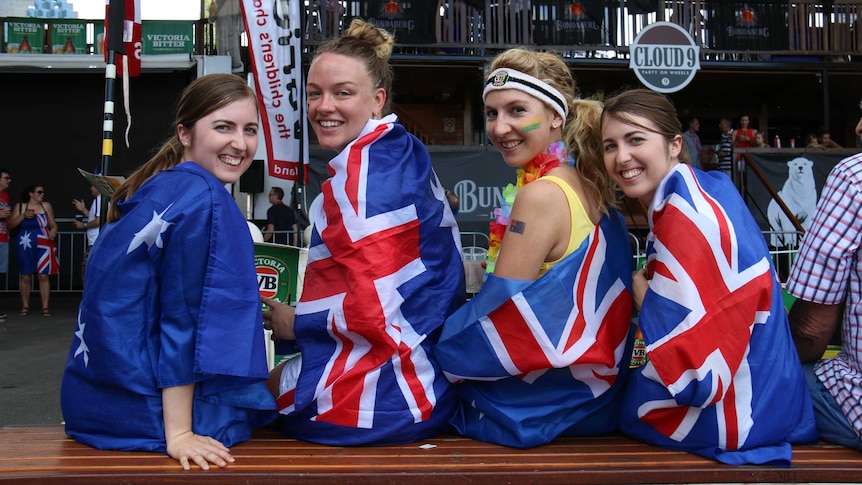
(202, 450)
(182, 443)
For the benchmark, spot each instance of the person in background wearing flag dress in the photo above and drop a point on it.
(826, 282)
(5, 213)
(37, 252)
(540, 351)
(384, 266)
(721, 377)
(168, 354)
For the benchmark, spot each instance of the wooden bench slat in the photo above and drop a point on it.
(33, 454)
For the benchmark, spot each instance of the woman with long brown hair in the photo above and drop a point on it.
(168, 354)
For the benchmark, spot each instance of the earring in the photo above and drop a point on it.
(555, 125)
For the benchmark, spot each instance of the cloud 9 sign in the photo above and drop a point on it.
(664, 57)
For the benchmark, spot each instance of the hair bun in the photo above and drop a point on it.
(380, 40)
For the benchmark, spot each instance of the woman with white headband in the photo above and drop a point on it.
(541, 351)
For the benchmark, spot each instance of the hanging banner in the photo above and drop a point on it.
(168, 37)
(748, 25)
(274, 34)
(123, 35)
(407, 21)
(24, 36)
(69, 36)
(572, 23)
(798, 177)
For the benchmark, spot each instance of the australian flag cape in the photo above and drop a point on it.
(170, 299)
(545, 358)
(384, 270)
(722, 377)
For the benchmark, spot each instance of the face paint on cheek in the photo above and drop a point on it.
(530, 125)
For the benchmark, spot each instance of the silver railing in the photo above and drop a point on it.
(70, 252)
(474, 239)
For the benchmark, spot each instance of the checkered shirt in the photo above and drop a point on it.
(828, 269)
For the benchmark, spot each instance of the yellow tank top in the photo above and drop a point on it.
(581, 224)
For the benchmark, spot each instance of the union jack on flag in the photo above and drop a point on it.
(383, 272)
(48, 262)
(543, 358)
(721, 362)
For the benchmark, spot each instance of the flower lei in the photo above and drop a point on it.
(537, 168)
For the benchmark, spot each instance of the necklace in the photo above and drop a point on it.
(537, 168)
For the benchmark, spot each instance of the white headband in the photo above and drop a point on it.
(510, 79)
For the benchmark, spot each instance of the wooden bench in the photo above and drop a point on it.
(44, 454)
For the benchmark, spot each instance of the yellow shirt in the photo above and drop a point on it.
(581, 224)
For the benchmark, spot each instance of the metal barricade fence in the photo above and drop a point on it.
(782, 258)
(477, 239)
(70, 253)
(72, 244)
(292, 238)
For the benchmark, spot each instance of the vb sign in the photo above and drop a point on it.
(276, 267)
(664, 57)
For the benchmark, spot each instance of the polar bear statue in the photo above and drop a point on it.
(799, 194)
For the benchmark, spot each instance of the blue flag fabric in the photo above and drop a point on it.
(722, 377)
(545, 358)
(384, 270)
(170, 298)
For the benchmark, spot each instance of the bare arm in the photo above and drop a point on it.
(538, 231)
(94, 223)
(15, 218)
(182, 443)
(812, 325)
(640, 285)
(267, 232)
(52, 224)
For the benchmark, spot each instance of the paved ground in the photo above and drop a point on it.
(33, 351)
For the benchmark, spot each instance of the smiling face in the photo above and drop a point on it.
(341, 99)
(637, 159)
(223, 142)
(520, 125)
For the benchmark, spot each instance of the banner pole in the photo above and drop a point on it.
(108, 128)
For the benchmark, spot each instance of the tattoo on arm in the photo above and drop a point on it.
(516, 226)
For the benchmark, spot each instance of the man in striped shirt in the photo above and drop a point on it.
(725, 147)
(827, 280)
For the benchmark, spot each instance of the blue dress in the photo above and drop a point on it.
(37, 253)
(170, 299)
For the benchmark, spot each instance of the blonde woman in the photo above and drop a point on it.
(539, 352)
